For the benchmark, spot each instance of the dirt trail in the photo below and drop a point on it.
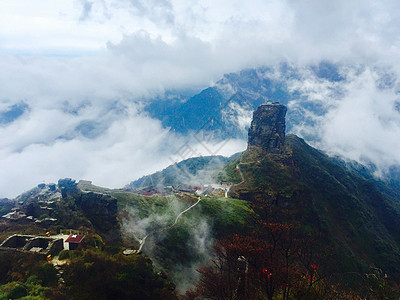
(241, 176)
(58, 265)
(143, 241)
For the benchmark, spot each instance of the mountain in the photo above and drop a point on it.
(98, 269)
(333, 214)
(231, 100)
(280, 220)
(62, 205)
(358, 215)
(195, 171)
(115, 223)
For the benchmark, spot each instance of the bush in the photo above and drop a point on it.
(32, 280)
(47, 274)
(64, 254)
(44, 216)
(114, 277)
(18, 291)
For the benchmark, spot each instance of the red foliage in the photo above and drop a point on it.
(315, 267)
(274, 259)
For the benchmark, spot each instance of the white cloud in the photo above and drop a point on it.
(365, 125)
(131, 146)
(82, 65)
(359, 120)
(45, 145)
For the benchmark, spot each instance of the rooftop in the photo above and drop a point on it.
(74, 238)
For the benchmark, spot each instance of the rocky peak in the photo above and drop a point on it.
(267, 129)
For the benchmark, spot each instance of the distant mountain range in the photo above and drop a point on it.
(231, 101)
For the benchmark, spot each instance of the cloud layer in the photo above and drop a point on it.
(82, 69)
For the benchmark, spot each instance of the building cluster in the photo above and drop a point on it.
(41, 244)
(38, 202)
(199, 190)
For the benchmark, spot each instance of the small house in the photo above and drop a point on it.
(74, 241)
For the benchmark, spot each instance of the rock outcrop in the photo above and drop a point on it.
(267, 129)
(100, 209)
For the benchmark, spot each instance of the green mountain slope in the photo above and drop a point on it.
(192, 171)
(352, 211)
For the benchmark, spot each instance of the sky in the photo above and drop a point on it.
(80, 65)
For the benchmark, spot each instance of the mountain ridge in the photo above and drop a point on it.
(278, 185)
(349, 207)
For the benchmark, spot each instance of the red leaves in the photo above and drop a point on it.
(269, 274)
(274, 256)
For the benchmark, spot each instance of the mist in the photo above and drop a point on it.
(75, 76)
(164, 239)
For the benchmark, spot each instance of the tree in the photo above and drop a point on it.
(114, 277)
(275, 259)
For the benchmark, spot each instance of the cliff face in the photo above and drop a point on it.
(357, 216)
(100, 209)
(267, 128)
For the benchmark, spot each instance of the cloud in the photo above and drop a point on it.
(154, 228)
(365, 125)
(355, 118)
(158, 11)
(86, 9)
(110, 143)
(36, 150)
(82, 69)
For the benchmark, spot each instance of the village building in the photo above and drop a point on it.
(74, 241)
(15, 214)
(32, 243)
(128, 252)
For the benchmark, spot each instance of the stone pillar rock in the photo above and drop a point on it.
(267, 129)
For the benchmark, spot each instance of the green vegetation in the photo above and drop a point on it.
(226, 215)
(114, 277)
(188, 243)
(230, 173)
(105, 272)
(5, 206)
(64, 254)
(285, 206)
(302, 185)
(184, 172)
(25, 275)
(144, 205)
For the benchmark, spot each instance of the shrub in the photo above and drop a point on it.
(64, 254)
(18, 291)
(47, 274)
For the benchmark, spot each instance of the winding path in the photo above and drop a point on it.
(240, 172)
(142, 241)
(241, 176)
